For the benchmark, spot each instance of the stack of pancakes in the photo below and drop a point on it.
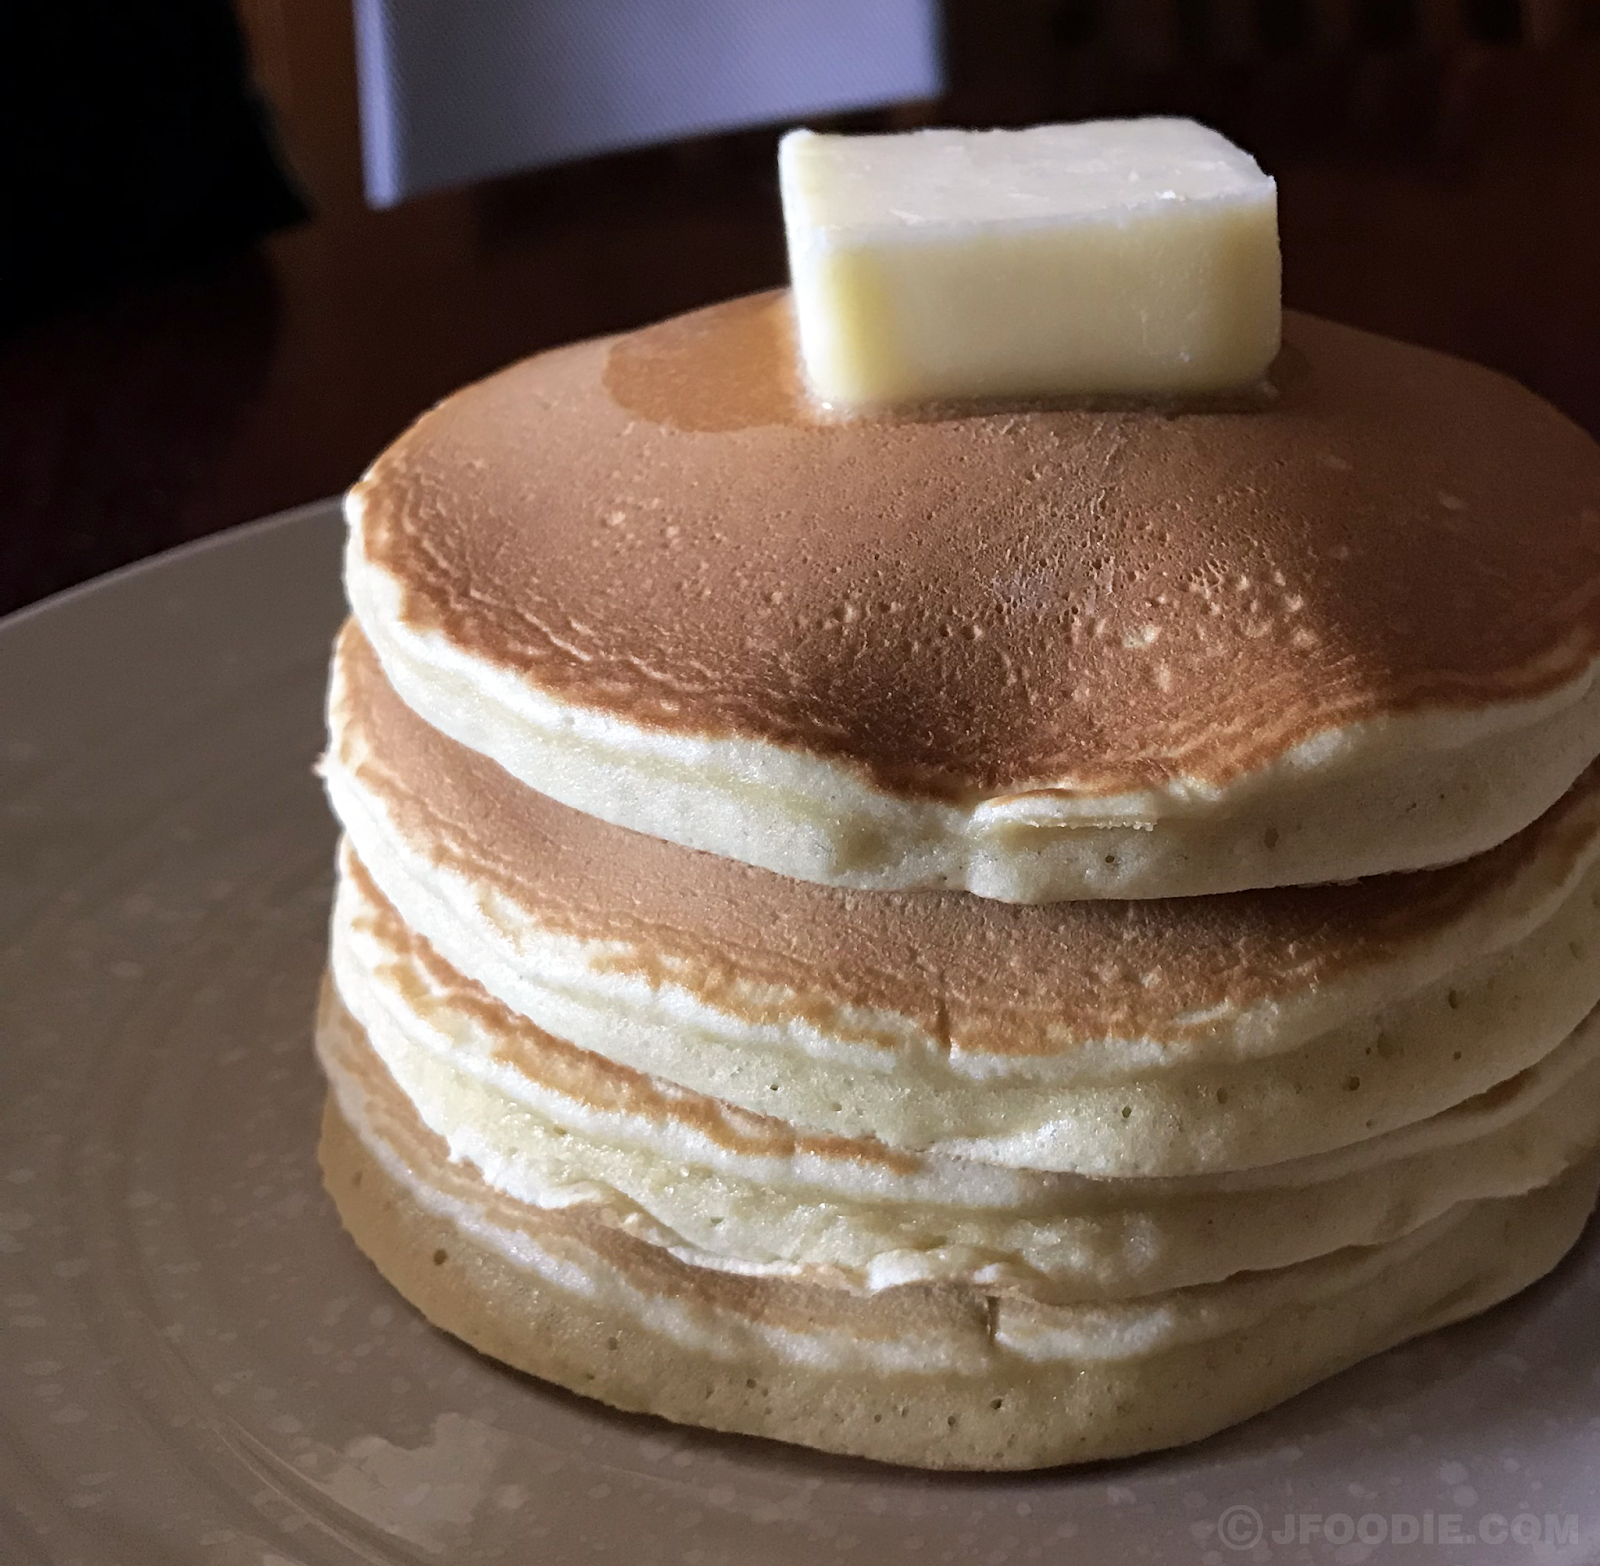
(983, 938)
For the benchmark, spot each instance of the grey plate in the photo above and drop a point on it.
(196, 1366)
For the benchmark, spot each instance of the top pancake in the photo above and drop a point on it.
(983, 648)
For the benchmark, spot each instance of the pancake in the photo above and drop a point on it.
(1158, 1039)
(931, 1374)
(554, 1126)
(1036, 653)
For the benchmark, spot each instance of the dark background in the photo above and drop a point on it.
(165, 373)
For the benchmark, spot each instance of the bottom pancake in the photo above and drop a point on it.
(932, 1375)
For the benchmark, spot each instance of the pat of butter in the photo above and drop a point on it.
(1119, 256)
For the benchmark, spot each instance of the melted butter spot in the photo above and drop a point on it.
(730, 368)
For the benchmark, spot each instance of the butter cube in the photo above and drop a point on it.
(1115, 257)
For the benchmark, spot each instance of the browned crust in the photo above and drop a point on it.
(986, 601)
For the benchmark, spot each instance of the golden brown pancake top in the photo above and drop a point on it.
(655, 526)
